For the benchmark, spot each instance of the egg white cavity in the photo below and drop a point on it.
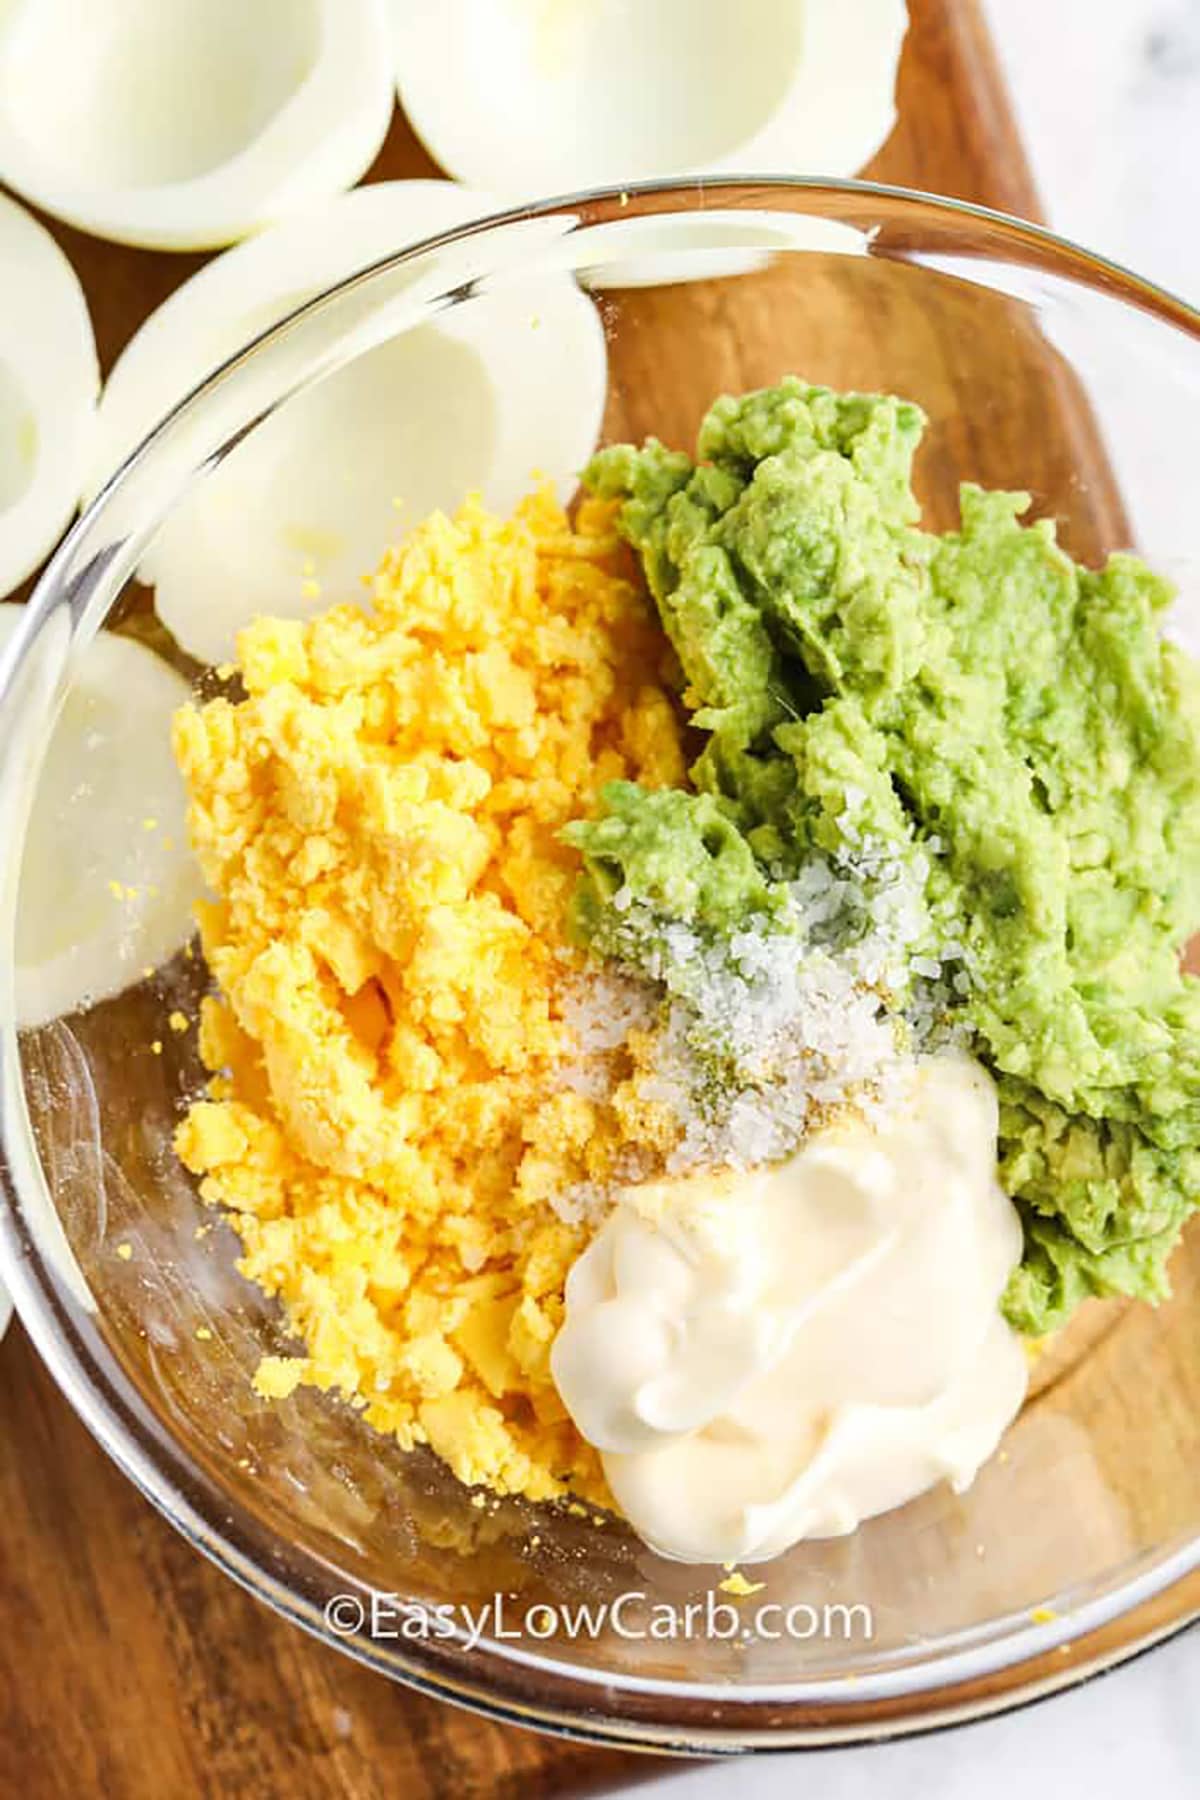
(108, 808)
(168, 92)
(188, 123)
(616, 83)
(49, 378)
(483, 396)
(622, 90)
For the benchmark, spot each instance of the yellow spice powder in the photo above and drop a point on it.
(378, 819)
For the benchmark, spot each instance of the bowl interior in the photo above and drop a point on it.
(1040, 370)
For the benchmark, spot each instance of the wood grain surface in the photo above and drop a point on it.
(131, 1669)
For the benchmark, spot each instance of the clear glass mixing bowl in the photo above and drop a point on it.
(1040, 367)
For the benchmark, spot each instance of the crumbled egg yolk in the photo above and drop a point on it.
(739, 1585)
(378, 819)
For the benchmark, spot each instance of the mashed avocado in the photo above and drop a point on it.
(976, 700)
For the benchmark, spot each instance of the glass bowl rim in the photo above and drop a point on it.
(100, 1394)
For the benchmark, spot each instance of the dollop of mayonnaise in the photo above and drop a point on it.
(778, 1354)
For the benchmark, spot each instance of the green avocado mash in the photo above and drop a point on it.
(974, 696)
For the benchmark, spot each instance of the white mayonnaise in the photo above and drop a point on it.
(768, 1356)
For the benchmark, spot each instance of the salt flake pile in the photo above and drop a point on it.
(822, 1004)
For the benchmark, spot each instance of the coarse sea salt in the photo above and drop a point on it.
(760, 1036)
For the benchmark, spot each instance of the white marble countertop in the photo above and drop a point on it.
(1133, 1732)
(1107, 95)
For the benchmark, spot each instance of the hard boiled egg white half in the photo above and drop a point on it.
(186, 124)
(49, 380)
(485, 395)
(107, 883)
(661, 249)
(536, 97)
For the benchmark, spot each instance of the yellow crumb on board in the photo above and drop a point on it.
(1043, 1615)
(178, 1021)
(125, 1252)
(156, 1047)
(379, 818)
(735, 1583)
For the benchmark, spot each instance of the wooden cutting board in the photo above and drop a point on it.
(131, 1669)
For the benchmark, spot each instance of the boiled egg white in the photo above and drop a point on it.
(107, 884)
(546, 96)
(664, 249)
(187, 124)
(49, 380)
(486, 395)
